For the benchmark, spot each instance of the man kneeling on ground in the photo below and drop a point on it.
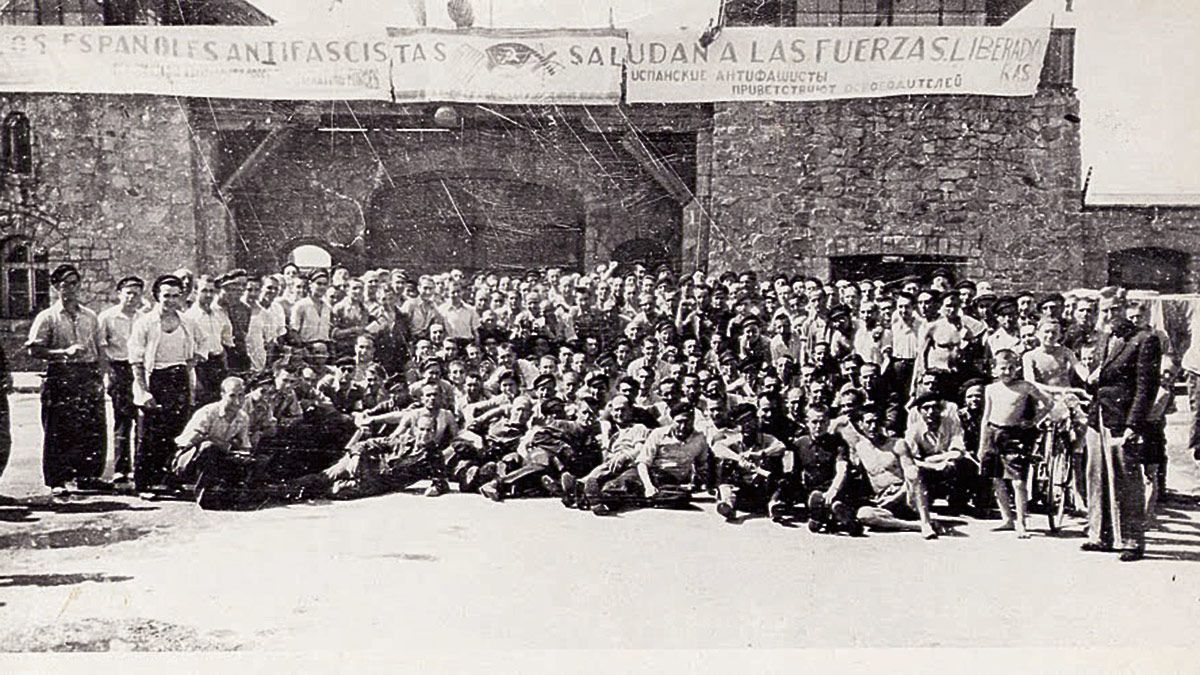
(214, 448)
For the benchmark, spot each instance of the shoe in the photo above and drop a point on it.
(775, 511)
(467, 479)
(487, 473)
(492, 492)
(1132, 555)
(602, 509)
(726, 510)
(60, 492)
(1093, 547)
(570, 489)
(551, 486)
(439, 488)
(817, 508)
(815, 526)
(843, 515)
(930, 534)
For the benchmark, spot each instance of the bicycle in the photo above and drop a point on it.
(1052, 475)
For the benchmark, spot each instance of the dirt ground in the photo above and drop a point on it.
(406, 572)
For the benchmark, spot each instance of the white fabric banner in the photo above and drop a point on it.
(812, 64)
(483, 65)
(216, 61)
(403, 65)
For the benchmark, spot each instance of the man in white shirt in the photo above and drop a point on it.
(214, 332)
(116, 323)
(164, 347)
(311, 319)
(267, 325)
(461, 319)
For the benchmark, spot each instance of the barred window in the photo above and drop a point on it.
(891, 13)
(83, 12)
(16, 145)
(25, 283)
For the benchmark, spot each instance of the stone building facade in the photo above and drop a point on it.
(988, 186)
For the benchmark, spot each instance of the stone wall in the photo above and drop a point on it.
(994, 180)
(372, 197)
(111, 191)
(1111, 229)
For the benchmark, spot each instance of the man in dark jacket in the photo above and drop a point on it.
(1125, 384)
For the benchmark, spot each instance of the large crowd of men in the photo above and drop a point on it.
(851, 405)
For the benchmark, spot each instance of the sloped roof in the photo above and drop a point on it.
(224, 13)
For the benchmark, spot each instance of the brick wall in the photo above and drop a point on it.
(995, 180)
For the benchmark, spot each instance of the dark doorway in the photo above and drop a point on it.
(892, 267)
(1150, 269)
(648, 252)
(435, 223)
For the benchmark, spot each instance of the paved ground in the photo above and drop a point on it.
(403, 571)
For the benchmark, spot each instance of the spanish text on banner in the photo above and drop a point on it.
(486, 65)
(812, 64)
(226, 62)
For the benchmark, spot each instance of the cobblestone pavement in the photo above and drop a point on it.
(404, 571)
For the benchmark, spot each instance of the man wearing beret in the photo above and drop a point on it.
(164, 347)
(67, 336)
(116, 323)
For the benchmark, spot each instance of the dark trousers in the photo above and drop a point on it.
(159, 426)
(120, 390)
(626, 490)
(72, 423)
(209, 374)
(5, 433)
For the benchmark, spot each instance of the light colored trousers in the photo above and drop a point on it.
(1115, 494)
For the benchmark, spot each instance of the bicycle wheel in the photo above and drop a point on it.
(1058, 484)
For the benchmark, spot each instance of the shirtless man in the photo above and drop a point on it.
(1052, 364)
(1012, 409)
(898, 500)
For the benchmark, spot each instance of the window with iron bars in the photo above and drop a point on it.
(891, 12)
(88, 12)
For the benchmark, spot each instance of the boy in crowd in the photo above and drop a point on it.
(749, 462)
(1012, 409)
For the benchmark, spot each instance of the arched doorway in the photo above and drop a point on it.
(433, 223)
(309, 257)
(1149, 268)
(648, 252)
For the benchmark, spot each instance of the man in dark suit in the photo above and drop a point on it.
(1125, 384)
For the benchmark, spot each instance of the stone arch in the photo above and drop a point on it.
(434, 220)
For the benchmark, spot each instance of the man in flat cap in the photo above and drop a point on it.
(164, 347)
(67, 336)
(116, 323)
(231, 288)
(311, 318)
